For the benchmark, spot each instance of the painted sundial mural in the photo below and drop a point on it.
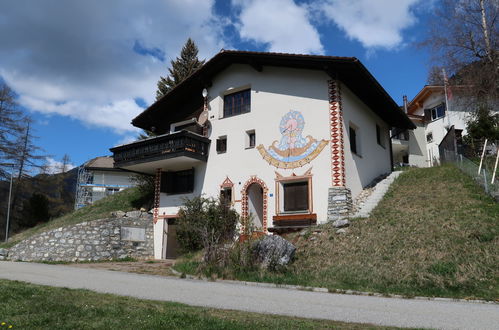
(293, 150)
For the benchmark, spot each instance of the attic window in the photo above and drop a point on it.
(237, 103)
(222, 144)
(435, 112)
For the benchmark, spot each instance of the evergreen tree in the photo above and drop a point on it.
(181, 68)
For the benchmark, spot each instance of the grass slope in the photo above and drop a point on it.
(101, 209)
(28, 306)
(435, 233)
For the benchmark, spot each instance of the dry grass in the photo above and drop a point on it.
(434, 234)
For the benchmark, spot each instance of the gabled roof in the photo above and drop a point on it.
(100, 163)
(423, 94)
(186, 97)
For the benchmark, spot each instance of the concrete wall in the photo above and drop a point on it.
(103, 239)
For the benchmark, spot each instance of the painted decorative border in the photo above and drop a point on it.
(157, 193)
(244, 199)
(294, 164)
(337, 142)
(227, 183)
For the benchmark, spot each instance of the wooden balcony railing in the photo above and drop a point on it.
(183, 143)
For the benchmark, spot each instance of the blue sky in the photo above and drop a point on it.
(85, 69)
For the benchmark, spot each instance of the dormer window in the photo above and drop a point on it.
(435, 112)
(237, 103)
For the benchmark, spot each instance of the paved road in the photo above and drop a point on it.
(348, 308)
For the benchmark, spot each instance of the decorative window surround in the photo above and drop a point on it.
(280, 180)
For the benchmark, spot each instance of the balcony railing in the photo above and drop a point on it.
(183, 143)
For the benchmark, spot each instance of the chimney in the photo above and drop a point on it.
(405, 103)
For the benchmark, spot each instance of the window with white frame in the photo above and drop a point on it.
(237, 103)
(435, 112)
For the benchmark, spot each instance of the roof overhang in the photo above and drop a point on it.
(186, 97)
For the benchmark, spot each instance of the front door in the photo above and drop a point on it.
(170, 246)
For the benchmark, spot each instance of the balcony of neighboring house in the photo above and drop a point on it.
(176, 150)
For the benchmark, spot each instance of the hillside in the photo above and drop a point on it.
(125, 200)
(59, 189)
(435, 233)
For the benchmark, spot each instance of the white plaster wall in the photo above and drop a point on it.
(458, 114)
(374, 159)
(113, 178)
(418, 155)
(159, 227)
(274, 92)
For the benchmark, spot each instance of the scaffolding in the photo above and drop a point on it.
(83, 188)
(92, 184)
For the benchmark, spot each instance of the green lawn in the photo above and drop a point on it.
(435, 233)
(28, 306)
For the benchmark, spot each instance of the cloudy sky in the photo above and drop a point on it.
(84, 69)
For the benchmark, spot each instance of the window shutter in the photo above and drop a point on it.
(427, 114)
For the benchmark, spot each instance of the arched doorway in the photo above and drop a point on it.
(254, 202)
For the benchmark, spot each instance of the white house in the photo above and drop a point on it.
(287, 138)
(433, 116)
(98, 178)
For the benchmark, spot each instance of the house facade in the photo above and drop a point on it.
(280, 137)
(433, 114)
(98, 178)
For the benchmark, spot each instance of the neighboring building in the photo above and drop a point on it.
(289, 139)
(98, 178)
(433, 118)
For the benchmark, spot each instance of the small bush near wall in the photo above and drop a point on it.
(205, 223)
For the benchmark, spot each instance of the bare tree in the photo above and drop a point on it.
(464, 38)
(10, 128)
(65, 162)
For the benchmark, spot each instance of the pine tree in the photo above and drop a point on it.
(181, 68)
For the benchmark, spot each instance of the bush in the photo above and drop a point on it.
(206, 223)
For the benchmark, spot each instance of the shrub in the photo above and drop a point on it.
(205, 223)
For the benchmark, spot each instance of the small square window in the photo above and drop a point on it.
(295, 196)
(222, 144)
(250, 139)
(429, 137)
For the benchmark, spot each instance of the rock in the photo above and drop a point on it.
(273, 251)
(342, 231)
(341, 223)
(118, 214)
(133, 214)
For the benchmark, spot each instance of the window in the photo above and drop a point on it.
(112, 191)
(435, 112)
(237, 103)
(380, 138)
(429, 137)
(354, 146)
(250, 139)
(295, 196)
(226, 197)
(222, 144)
(180, 182)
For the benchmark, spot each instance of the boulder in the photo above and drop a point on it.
(118, 214)
(133, 214)
(273, 251)
(4, 254)
(341, 223)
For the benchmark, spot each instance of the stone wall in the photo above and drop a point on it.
(339, 203)
(123, 235)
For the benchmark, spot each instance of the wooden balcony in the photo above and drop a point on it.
(169, 151)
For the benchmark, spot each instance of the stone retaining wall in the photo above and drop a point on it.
(124, 235)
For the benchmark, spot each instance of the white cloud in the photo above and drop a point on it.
(375, 24)
(53, 166)
(76, 58)
(281, 24)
